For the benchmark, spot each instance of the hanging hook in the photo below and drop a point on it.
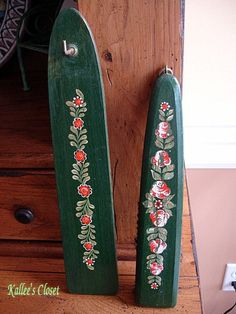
(70, 50)
(166, 70)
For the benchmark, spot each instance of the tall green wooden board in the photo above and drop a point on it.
(161, 197)
(79, 133)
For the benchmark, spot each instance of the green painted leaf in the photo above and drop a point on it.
(170, 139)
(76, 166)
(150, 277)
(69, 103)
(72, 114)
(150, 210)
(156, 176)
(152, 230)
(80, 203)
(84, 231)
(84, 142)
(150, 262)
(83, 110)
(162, 112)
(170, 145)
(151, 256)
(86, 179)
(73, 144)
(158, 280)
(81, 237)
(74, 130)
(72, 137)
(168, 168)
(162, 231)
(159, 144)
(147, 204)
(149, 196)
(156, 168)
(170, 112)
(161, 117)
(84, 175)
(163, 237)
(159, 259)
(152, 236)
(90, 267)
(91, 206)
(74, 177)
(79, 93)
(74, 171)
(84, 170)
(168, 176)
(92, 236)
(83, 131)
(169, 198)
(169, 205)
(83, 137)
(168, 211)
(170, 118)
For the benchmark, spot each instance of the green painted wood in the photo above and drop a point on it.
(161, 198)
(81, 155)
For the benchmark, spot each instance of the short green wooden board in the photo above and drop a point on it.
(79, 133)
(161, 198)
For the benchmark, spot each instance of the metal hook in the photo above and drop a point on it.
(166, 70)
(70, 50)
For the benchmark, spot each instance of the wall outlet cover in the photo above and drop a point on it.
(230, 275)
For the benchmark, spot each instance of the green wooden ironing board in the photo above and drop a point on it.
(79, 133)
(161, 197)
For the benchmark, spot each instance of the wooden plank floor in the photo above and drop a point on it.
(35, 270)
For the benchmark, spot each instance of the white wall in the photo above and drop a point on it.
(209, 86)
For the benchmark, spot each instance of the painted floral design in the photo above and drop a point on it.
(80, 173)
(158, 202)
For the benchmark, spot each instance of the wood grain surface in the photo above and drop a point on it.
(29, 189)
(135, 39)
(39, 270)
(69, 303)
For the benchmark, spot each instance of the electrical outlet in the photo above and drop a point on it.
(230, 275)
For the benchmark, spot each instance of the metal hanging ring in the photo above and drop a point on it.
(166, 70)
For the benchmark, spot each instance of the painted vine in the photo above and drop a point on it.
(158, 202)
(80, 172)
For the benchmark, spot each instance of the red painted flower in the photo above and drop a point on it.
(165, 106)
(89, 261)
(158, 204)
(78, 123)
(86, 220)
(80, 155)
(161, 159)
(85, 190)
(88, 246)
(78, 101)
(156, 269)
(160, 190)
(157, 246)
(162, 130)
(159, 218)
(154, 285)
